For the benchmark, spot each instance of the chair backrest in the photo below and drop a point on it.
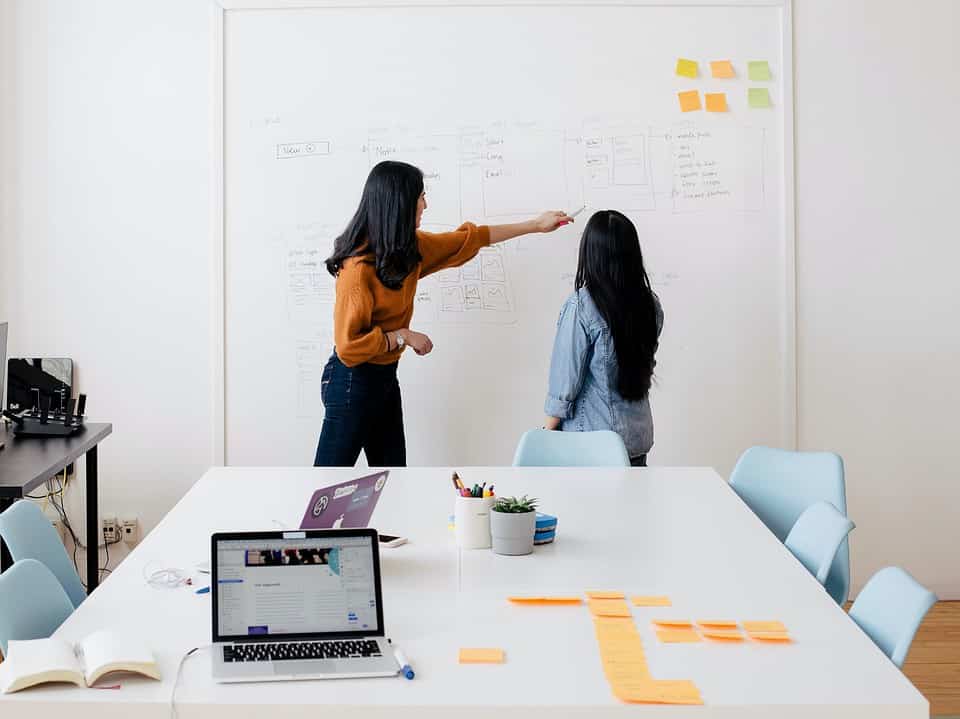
(778, 484)
(546, 448)
(32, 603)
(29, 535)
(890, 609)
(816, 537)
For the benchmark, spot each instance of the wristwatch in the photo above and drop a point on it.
(400, 341)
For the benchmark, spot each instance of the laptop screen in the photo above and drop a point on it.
(273, 585)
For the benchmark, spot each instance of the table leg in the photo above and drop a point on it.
(93, 530)
(5, 559)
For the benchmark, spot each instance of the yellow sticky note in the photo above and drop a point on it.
(717, 623)
(671, 636)
(481, 656)
(651, 601)
(758, 70)
(689, 101)
(758, 97)
(608, 608)
(545, 600)
(673, 622)
(716, 101)
(765, 626)
(594, 594)
(687, 68)
(722, 69)
(728, 635)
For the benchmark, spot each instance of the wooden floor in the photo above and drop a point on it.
(933, 664)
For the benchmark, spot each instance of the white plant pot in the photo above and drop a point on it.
(512, 533)
(471, 522)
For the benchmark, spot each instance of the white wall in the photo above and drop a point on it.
(107, 191)
(878, 177)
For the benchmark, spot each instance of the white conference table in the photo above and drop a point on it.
(675, 531)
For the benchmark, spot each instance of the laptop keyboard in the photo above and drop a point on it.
(269, 652)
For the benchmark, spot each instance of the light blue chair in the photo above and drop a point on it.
(816, 537)
(778, 485)
(546, 448)
(890, 609)
(29, 535)
(32, 603)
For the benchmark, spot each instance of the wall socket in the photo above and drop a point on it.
(111, 530)
(130, 529)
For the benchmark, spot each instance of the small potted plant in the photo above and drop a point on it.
(513, 522)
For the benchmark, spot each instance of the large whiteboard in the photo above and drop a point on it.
(509, 109)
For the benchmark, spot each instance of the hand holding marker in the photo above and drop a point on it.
(573, 215)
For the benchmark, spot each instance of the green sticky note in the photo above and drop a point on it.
(758, 97)
(687, 68)
(758, 70)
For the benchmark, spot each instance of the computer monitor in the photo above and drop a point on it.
(38, 383)
(3, 359)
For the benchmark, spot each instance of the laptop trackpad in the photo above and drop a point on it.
(320, 666)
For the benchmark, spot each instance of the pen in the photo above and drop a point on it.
(203, 590)
(405, 667)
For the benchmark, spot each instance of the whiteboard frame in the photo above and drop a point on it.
(218, 346)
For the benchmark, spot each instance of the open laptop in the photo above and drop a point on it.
(297, 605)
(348, 504)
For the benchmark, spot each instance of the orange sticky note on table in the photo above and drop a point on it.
(651, 601)
(657, 691)
(770, 636)
(769, 626)
(545, 600)
(722, 69)
(689, 100)
(687, 68)
(728, 635)
(716, 101)
(481, 656)
(609, 608)
(673, 622)
(717, 623)
(593, 594)
(670, 636)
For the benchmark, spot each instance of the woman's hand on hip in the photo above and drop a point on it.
(417, 341)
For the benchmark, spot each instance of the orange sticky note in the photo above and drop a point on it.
(604, 595)
(657, 691)
(728, 635)
(716, 101)
(721, 69)
(673, 622)
(651, 601)
(773, 626)
(687, 68)
(677, 635)
(609, 608)
(689, 100)
(545, 600)
(770, 636)
(481, 656)
(717, 623)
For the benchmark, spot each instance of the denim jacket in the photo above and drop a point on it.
(583, 378)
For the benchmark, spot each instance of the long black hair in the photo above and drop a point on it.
(611, 268)
(384, 224)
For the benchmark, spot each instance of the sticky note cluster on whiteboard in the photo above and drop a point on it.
(713, 101)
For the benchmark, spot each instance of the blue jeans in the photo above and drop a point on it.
(362, 410)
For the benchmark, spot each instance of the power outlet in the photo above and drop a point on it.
(111, 530)
(130, 529)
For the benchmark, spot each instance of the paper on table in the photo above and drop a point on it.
(765, 626)
(758, 97)
(652, 601)
(717, 623)
(673, 622)
(721, 69)
(608, 607)
(716, 101)
(658, 691)
(727, 635)
(687, 68)
(545, 600)
(689, 101)
(670, 636)
(594, 594)
(770, 636)
(481, 656)
(758, 70)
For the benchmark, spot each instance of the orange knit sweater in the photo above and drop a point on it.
(365, 309)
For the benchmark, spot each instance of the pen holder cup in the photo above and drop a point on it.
(472, 522)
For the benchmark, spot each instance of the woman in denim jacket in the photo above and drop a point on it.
(607, 336)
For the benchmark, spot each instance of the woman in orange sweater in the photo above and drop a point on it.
(377, 262)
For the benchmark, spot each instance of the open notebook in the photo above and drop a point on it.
(38, 661)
